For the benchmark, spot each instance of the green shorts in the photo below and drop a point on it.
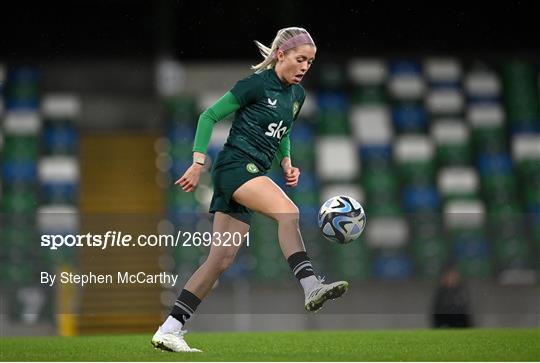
(229, 171)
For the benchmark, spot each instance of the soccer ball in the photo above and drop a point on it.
(341, 219)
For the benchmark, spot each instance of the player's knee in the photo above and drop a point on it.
(290, 212)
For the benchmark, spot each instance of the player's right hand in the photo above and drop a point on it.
(190, 179)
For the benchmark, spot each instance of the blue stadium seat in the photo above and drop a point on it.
(63, 140)
(60, 193)
(332, 101)
(19, 171)
(409, 117)
(302, 132)
(391, 265)
(421, 199)
(405, 67)
(473, 246)
(373, 155)
(494, 164)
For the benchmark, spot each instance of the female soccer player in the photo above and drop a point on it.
(266, 104)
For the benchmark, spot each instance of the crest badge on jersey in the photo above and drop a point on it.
(295, 108)
(252, 168)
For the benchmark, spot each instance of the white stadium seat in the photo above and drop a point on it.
(337, 158)
(367, 71)
(371, 125)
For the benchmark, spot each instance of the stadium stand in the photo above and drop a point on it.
(444, 154)
(39, 181)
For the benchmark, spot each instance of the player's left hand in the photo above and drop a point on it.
(292, 174)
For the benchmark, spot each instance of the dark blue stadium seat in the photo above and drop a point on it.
(421, 199)
(392, 265)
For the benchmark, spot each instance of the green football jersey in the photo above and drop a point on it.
(267, 111)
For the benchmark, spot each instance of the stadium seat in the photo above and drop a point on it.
(443, 73)
(60, 114)
(302, 139)
(425, 226)
(59, 179)
(494, 164)
(499, 190)
(13, 274)
(421, 199)
(19, 172)
(22, 123)
(303, 156)
(451, 137)
(370, 96)
(59, 169)
(59, 140)
(390, 264)
(302, 132)
(21, 91)
(367, 72)
(333, 122)
(380, 182)
(332, 118)
(414, 155)
(409, 118)
(332, 101)
(405, 86)
(20, 147)
(521, 97)
(57, 219)
(350, 262)
(458, 183)
(381, 190)
(373, 132)
(20, 199)
(482, 86)
(444, 102)
(465, 221)
(328, 150)
(387, 232)
(331, 76)
(512, 252)
(487, 123)
(526, 156)
(429, 256)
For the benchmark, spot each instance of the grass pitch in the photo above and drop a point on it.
(391, 345)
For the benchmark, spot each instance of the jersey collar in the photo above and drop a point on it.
(276, 79)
